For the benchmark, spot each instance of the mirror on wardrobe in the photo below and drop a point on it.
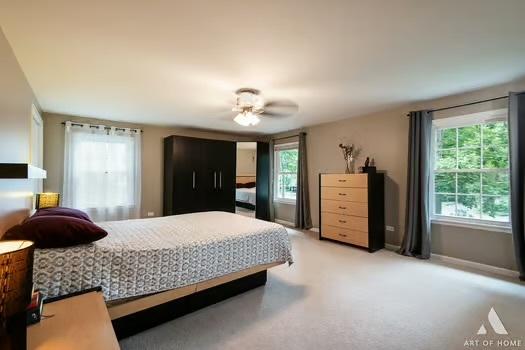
(245, 192)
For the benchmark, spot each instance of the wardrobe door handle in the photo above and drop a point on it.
(193, 177)
(220, 180)
(215, 179)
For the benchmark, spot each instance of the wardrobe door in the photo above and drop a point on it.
(209, 175)
(262, 196)
(188, 175)
(220, 164)
(167, 208)
(227, 153)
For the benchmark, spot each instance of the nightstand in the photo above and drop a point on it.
(78, 322)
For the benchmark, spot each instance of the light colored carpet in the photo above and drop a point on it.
(339, 297)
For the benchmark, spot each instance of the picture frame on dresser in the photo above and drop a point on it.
(352, 209)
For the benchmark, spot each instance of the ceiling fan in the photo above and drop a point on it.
(250, 105)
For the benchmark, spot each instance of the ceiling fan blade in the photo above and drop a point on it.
(275, 114)
(284, 104)
(280, 108)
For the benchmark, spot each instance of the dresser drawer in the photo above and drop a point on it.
(344, 208)
(350, 222)
(345, 235)
(344, 180)
(345, 194)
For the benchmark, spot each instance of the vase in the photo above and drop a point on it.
(350, 165)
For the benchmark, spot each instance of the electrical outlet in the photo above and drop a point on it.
(151, 213)
(390, 228)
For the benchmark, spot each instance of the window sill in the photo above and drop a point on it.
(472, 225)
(285, 201)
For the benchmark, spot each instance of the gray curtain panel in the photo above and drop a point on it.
(303, 219)
(270, 192)
(517, 175)
(416, 241)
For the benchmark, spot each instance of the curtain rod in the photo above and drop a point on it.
(286, 137)
(105, 128)
(467, 104)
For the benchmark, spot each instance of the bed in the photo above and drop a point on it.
(144, 256)
(153, 270)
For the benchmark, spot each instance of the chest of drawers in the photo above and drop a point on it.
(351, 209)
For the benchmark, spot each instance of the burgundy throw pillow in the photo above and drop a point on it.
(56, 231)
(61, 211)
(249, 185)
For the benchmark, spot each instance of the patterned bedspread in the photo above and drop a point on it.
(151, 255)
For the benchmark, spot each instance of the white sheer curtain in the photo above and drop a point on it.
(102, 171)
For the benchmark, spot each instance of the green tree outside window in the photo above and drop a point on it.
(471, 177)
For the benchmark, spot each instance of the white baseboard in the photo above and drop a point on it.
(465, 263)
(285, 222)
(475, 265)
(391, 247)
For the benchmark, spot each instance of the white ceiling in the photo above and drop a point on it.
(178, 62)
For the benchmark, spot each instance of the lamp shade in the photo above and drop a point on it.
(47, 200)
(16, 283)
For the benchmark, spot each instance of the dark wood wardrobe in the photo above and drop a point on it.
(199, 175)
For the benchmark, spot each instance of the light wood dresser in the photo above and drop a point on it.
(352, 209)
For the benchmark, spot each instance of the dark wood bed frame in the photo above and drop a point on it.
(139, 321)
(136, 315)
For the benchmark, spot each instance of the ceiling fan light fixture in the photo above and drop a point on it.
(247, 118)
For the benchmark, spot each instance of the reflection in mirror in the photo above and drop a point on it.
(246, 179)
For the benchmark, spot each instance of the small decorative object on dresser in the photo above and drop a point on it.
(349, 154)
(369, 166)
(352, 210)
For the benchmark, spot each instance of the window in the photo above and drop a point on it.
(470, 177)
(285, 169)
(102, 171)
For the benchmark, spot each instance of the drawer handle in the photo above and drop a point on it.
(342, 207)
(342, 221)
(342, 235)
(341, 180)
(342, 194)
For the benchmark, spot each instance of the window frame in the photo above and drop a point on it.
(277, 149)
(458, 122)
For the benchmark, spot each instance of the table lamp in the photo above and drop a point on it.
(16, 283)
(47, 200)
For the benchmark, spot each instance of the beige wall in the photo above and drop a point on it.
(16, 99)
(152, 154)
(384, 136)
(246, 162)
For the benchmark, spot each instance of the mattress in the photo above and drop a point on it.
(145, 256)
(245, 195)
